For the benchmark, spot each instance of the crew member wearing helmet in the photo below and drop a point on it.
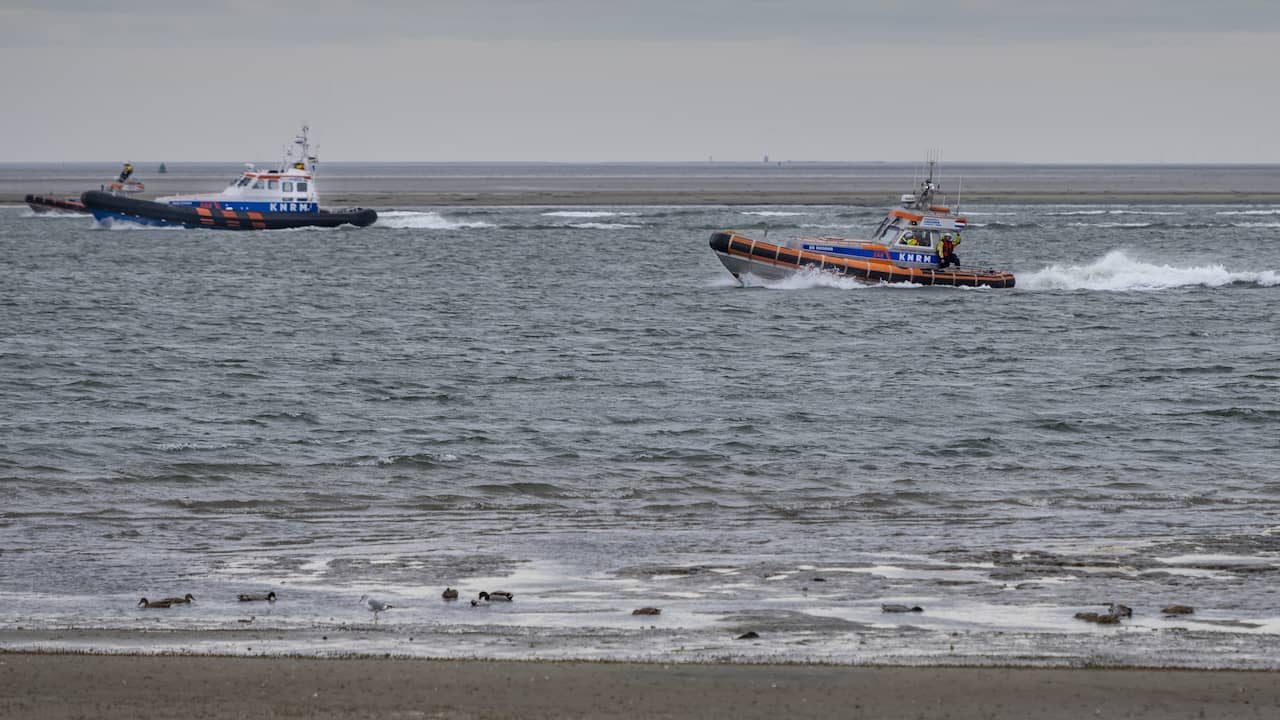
(125, 172)
(947, 251)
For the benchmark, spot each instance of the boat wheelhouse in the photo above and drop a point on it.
(289, 188)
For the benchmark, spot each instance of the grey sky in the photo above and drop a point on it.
(573, 80)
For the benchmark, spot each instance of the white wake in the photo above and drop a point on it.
(1118, 271)
(409, 219)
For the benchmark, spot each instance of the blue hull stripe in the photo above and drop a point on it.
(247, 206)
(835, 250)
(922, 258)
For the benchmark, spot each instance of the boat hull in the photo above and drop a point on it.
(110, 208)
(741, 255)
(42, 204)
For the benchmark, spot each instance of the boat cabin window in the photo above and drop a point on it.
(302, 187)
(257, 184)
(271, 184)
(885, 226)
(286, 186)
(244, 181)
(916, 238)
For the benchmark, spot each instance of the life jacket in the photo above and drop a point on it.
(948, 247)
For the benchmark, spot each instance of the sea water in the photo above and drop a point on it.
(582, 407)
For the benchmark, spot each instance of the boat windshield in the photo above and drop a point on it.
(916, 238)
(885, 224)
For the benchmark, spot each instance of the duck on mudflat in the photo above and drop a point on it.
(1100, 618)
(145, 603)
(496, 596)
(449, 594)
(256, 597)
(901, 608)
(184, 600)
(1119, 610)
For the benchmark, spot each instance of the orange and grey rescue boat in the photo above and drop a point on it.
(915, 243)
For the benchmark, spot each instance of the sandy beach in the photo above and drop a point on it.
(140, 687)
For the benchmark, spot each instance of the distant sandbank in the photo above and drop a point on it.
(388, 192)
(606, 198)
(150, 686)
(765, 197)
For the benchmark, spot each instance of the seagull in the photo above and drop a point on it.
(251, 597)
(375, 606)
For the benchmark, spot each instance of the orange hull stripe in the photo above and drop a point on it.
(819, 261)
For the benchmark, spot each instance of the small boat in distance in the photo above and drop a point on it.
(283, 197)
(907, 247)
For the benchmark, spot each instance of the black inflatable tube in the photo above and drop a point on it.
(40, 203)
(165, 214)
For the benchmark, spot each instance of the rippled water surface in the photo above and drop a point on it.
(581, 406)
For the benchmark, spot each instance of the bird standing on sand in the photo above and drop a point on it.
(374, 605)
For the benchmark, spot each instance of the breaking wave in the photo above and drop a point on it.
(602, 226)
(409, 219)
(588, 213)
(1118, 271)
(1112, 224)
(1115, 211)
